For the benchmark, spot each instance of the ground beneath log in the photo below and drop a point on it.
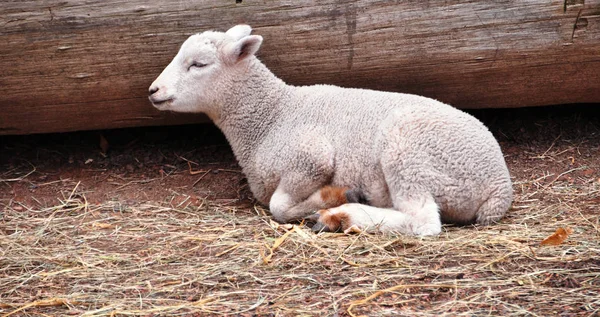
(160, 221)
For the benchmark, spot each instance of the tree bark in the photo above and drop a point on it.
(76, 65)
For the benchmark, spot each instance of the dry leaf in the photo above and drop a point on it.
(557, 237)
(104, 146)
(192, 172)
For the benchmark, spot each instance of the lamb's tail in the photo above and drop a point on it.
(495, 207)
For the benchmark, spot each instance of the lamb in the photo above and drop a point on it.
(417, 161)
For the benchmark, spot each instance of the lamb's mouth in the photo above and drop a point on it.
(161, 104)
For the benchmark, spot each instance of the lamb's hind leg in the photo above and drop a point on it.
(414, 217)
(325, 197)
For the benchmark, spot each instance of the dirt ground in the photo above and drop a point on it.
(159, 221)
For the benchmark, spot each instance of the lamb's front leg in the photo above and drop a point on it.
(325, 197)
(309, 167)
(416, 217)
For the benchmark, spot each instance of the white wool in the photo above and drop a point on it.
(399, 150)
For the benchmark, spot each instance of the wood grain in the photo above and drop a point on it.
(74, 65)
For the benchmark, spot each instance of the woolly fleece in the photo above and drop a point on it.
(401, 151)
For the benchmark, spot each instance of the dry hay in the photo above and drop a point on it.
(189, 256)
(201, 258)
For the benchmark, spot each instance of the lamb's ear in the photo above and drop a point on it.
(239, 31)
(243, 48)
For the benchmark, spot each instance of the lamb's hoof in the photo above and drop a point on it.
(313, 222)
(322, 222)
(311, 219)
(355, 195)
(320, 227)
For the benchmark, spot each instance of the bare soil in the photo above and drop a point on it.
(159, 221)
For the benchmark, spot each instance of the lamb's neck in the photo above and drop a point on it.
(254, 102)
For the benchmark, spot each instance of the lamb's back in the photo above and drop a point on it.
(355, 119)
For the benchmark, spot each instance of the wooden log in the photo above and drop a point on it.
(74, 65)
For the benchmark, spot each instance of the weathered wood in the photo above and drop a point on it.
(72, 65)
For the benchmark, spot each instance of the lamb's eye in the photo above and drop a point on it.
(197, 64)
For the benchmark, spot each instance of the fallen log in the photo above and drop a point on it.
(75, 65)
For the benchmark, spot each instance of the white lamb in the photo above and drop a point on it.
(418, 162)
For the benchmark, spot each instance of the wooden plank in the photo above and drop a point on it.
(74, 65)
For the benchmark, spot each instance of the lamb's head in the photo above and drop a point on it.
(197, 76)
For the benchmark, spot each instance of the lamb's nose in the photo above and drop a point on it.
(152, 90)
